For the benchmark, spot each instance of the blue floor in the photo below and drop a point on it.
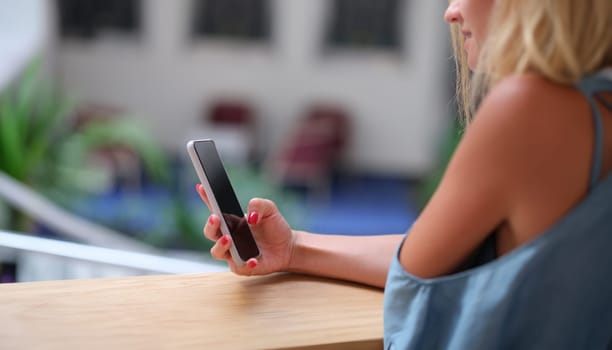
(356, 206)
(367, 206)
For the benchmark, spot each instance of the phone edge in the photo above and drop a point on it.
(211, 197)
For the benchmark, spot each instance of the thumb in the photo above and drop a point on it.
(262, 208)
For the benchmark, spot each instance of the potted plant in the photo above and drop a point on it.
(40, 147)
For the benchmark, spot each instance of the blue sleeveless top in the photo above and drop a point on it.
(554, 292)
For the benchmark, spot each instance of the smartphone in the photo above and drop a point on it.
(222, 199)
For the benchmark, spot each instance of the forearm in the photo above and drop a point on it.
(363, 259)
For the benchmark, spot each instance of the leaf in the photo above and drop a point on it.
(26, 97)
(22, 125)
(10, 143)
(45, 130)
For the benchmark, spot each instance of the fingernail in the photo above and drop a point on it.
(252, 263)
(197, 186)
(252, 219)
(224, 240)
(210, 220)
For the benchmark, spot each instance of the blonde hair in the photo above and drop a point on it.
(562, 40)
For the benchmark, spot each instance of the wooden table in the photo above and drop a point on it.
(194, 311)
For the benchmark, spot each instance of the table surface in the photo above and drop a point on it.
(193, 311)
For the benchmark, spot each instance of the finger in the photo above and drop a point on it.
(248, 269)
(260, 208)
(211, 229)
(220, 250)
(202, 193)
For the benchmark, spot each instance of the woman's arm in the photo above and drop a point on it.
(363, 259)
(472, 199)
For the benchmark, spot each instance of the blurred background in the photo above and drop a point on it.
(341, 111)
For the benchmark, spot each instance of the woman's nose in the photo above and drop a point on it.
(452, 14)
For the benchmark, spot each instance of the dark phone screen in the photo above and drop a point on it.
(227, 200)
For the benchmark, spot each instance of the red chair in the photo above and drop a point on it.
(232, 123)
(230, 113)
(312, 152)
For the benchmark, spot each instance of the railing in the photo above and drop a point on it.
(105, 252)
(65, 223)
(45, 259)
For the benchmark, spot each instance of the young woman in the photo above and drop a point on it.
(525, 196)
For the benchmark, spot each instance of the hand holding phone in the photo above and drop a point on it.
(222, 199)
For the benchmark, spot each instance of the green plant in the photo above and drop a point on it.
(447, 149)
(40, 147)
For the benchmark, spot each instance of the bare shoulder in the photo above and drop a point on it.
(529, 110)
(535, 129)
(543, 137)
(527, 100)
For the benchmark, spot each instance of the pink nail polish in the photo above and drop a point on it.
(252, 263)
(252, 219)
(224, 240)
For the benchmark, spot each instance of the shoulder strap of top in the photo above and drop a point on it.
(590, 86)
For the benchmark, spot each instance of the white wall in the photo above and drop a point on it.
(24, 31)
(400, 104)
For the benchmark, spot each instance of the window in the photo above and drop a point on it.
(231, 19)
(364, 24)
(86, 19)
